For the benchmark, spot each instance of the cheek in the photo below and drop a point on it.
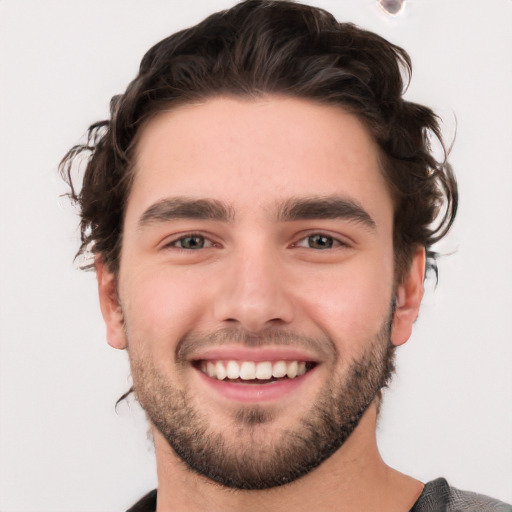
(351, 304)
(159, 308)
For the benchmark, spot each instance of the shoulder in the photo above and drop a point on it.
(439, 496)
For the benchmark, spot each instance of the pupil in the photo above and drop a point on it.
(320, 242)
(192, 242)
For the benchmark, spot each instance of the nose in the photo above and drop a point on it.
(254, 294)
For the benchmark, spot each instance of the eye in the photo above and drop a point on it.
(319, 241)
(190, 242)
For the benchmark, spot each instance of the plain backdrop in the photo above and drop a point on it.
(63, 448)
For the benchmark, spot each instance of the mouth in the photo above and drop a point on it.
(236, 374)
(253, 372)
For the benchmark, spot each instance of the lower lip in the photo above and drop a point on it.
(251, 393)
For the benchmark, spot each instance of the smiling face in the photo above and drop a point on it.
(256, 284)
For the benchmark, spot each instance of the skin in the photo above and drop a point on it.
(258, 272)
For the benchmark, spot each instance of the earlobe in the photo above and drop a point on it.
(110, 306)
(408, 299)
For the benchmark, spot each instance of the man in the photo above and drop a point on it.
(261, 207)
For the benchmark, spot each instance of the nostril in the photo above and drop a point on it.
(254, 298)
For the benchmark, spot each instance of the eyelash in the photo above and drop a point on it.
(173, 243)
(335, 243)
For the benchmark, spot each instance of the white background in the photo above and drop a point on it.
(62, 446)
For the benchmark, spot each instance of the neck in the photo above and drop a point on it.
(354, 478)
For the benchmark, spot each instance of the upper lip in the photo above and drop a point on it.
(239, 353)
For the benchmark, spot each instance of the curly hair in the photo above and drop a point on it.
(265, 47)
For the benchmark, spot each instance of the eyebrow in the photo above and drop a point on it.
(330, 207)
(304, 208)
(186, 208)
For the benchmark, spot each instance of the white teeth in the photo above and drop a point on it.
(210, 369)
(264, 370)
(292, 370)
(248, 370)
(232, 370)
(251, 370)
(279, 369)
(221, 371)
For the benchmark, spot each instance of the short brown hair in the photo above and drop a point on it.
(262, 47)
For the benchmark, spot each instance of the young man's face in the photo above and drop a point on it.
(257, 242)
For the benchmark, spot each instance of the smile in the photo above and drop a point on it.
(255, 371)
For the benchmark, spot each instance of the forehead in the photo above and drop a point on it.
(256, 152)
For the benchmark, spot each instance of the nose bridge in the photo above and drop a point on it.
(254, 293)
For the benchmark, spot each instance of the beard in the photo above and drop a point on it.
(251, 455)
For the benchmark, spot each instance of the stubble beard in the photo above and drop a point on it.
(252, 455)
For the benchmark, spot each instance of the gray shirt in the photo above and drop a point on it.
(437, 496)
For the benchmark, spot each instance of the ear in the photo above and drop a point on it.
(408, 299)
(109, 304)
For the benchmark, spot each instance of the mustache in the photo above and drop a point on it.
(193, 342)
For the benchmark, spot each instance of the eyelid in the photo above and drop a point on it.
(338, 240)
(169, 242)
